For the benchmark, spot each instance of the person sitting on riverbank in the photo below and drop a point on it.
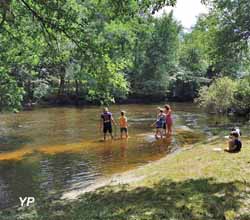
(159, 123)
(234, 144)
(236, 129)
(123, 122)
(106, 123)
(169, 120)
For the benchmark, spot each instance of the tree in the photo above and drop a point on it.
(190, 73)
(10, 93)
(40, 40)
(159, 58)
(227, 27)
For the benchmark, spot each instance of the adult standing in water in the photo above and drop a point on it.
(169, 120)
(106, 123)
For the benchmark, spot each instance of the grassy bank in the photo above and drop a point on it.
(196, 183)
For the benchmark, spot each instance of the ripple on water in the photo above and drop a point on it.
(58, 149)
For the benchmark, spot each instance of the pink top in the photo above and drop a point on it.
(168, 117)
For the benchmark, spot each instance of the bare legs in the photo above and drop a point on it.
(105, 136)
(169, 127)
(126, 134)
(159, 131)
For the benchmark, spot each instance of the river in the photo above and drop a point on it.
(48, 151)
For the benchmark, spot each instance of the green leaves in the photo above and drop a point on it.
(242, 96)
(102, 50)
(227, 32)
(226, 94)
(61, 47)
(155, 57)
(10, 94)
(218, 97)
(108, 81)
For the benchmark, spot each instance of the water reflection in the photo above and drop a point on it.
(46, 152)
(12, 142)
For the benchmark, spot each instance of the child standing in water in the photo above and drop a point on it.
(123, 121)
(161, 118)
(169, 121)
(106, 123)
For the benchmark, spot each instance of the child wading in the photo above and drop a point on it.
(169, 120)
(106, 123)
(161, 118)
(123, 121)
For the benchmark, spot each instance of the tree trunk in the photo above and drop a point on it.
(62, 85)
(76, 88)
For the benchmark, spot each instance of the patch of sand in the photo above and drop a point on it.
(126, 178)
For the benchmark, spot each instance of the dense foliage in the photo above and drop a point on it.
(227, 49)
(11, 94)
(225, 95)
(100, 51)
(156, 57)
(219, 96)
(67, 51)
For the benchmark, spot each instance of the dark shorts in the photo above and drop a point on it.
(124, 130)
(164, 126)
(107, 128)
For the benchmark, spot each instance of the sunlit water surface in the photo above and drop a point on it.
(48, 151)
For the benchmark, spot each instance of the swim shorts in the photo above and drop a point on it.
(124, 130)
(107, 127)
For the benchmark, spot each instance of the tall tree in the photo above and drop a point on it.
(41, 39)
(160, 58)
(228, 34)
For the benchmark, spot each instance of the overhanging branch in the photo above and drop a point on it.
(44, 22)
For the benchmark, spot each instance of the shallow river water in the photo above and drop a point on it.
(48, 151)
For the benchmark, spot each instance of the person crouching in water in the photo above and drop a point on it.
(106, 123)
(123, 121)
(234, 144)
(169, 120)
(161, 118)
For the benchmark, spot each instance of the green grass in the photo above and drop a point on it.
(195, 184)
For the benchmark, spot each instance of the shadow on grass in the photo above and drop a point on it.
(187, 200)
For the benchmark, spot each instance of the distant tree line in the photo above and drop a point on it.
(108, 50)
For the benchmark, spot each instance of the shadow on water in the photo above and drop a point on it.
(47, 171)
(51, 170)
(63, 151)
(182, 200)
(10, 143)
(17, 178)
(44, 180)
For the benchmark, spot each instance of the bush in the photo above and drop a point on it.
(242, 97)
(219, 96)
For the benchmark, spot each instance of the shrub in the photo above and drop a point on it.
(242, 97)
(219, 96)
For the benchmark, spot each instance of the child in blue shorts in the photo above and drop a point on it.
(159, 123)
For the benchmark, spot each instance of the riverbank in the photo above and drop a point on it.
(197, 183)
(74, 101)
